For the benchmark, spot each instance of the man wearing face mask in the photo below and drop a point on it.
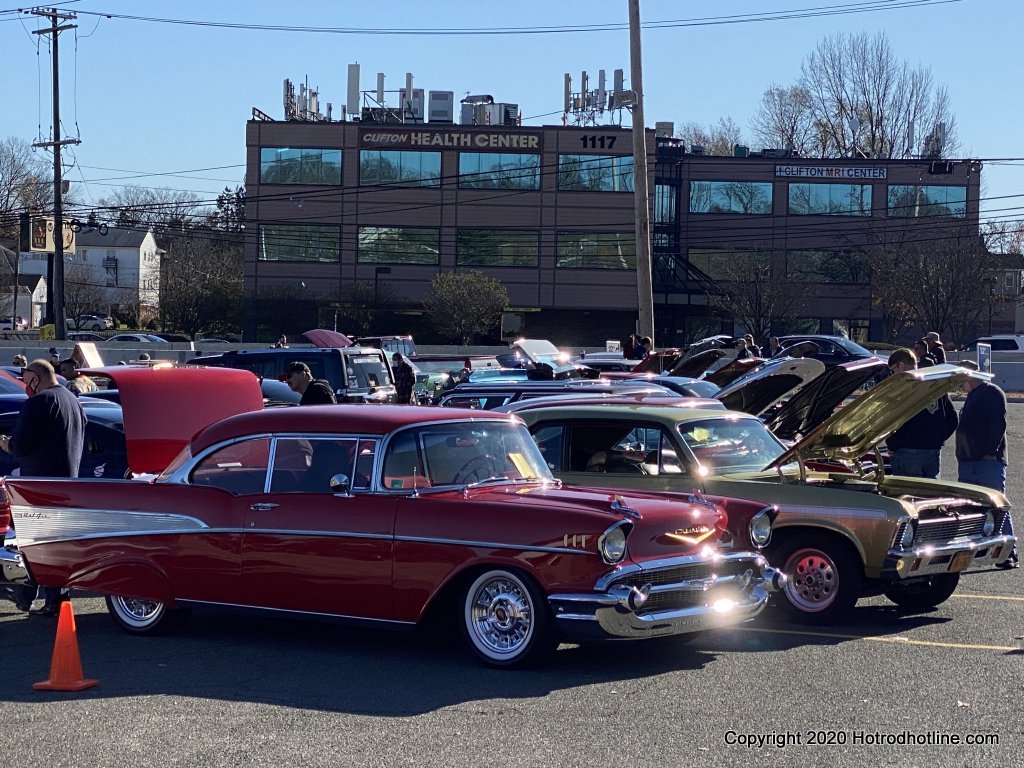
(47, 440)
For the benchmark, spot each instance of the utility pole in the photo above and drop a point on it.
(644, 283)
(55, 271)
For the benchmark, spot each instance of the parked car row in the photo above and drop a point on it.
(575, 510)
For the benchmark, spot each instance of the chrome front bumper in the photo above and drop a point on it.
(623, 611)
(947, 558)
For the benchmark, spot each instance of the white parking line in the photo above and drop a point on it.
(895, 640)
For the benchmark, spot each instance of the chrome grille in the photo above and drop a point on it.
(677, 574)
(945, 529)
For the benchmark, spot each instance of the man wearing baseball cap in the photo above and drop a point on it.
(300, 379)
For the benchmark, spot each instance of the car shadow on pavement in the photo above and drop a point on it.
(317, 666)
(773, 632)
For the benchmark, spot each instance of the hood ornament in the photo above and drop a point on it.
(619, 505)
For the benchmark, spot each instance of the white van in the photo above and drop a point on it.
(999, 342)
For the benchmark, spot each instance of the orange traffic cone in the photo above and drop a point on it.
(65, 666)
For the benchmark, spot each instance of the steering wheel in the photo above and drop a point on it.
(478, 468)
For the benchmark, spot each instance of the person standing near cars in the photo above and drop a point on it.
(981, 441)
(935, 348)
(405, 379)
(300, 379)
(915, 447)
(47, 441)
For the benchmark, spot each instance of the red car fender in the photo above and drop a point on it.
(458, 578)
(126, 578)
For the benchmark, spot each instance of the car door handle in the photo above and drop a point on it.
(262, 507)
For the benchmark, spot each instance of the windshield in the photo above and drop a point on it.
(461, 453)
(731, 444)
(368, 370)
(853, 347)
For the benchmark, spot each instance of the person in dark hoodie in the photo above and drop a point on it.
(914, 448)
(981, 442)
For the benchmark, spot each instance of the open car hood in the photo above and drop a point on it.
(732, 370)
(325, 339)
(855, 430)
(541, 351)
(164, 407)
(817, 400)
(759, 390)
(694, 366)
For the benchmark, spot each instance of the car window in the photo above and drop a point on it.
(369, 370)
(728, 445)
(307, 465)
(1003, 345)
(549, 442)
(239, 468)
(622, 448)
(462, 453)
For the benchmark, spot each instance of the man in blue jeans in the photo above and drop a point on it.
(914, 448)
(981, 442)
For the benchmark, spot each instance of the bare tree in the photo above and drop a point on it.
(941, 279)
(160, 209)
(82, 294)
(465, 303)
(854, 97)
(201, 284)
(358, 304)
(718, 139)
(754, 295)
(783, 120)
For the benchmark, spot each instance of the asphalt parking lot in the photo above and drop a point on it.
(884, 689)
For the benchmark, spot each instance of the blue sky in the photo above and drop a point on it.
(153, 102)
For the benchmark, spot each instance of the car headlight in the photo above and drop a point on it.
(989, 526)
(907, 537)
(612, 543)
(760, 528)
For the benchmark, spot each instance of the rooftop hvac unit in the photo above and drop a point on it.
(774, 153)
(664, 130)
(740, 150)
(490, 114)
(441, 106)
(696, 149)
(411, 110)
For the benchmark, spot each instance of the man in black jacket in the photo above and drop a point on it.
(915, 447)
(314, 391)
(47, 441)
(981, 441)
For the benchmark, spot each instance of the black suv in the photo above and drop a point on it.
(357, 374)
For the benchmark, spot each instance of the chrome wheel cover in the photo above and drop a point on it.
(812, 580)
(138, 614)
(499, 615)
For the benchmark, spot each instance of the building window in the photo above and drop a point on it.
(496, 248)
(398, 245)
(596, 250)
(595, 173)
(304, 242)
(664, 204)
(721, 263)
(378, 167)
(830, 199)
(912, 201)
(300, 165)
(730, 197)
(488, 170)
(828, 266)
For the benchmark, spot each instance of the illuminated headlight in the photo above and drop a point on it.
(760, 528)
(612, 544)
(989, 526)
(377, 396)
(907, 537)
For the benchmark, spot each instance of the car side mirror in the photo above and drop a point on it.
(340, 485)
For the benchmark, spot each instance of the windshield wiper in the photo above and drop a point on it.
(510, 480)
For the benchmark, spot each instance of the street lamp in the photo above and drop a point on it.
(377, 272)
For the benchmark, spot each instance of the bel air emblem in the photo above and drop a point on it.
(695, 534)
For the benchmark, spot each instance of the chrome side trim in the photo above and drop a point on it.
(496, 545)
(833, 512)
(36, 525)
(391, 623)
